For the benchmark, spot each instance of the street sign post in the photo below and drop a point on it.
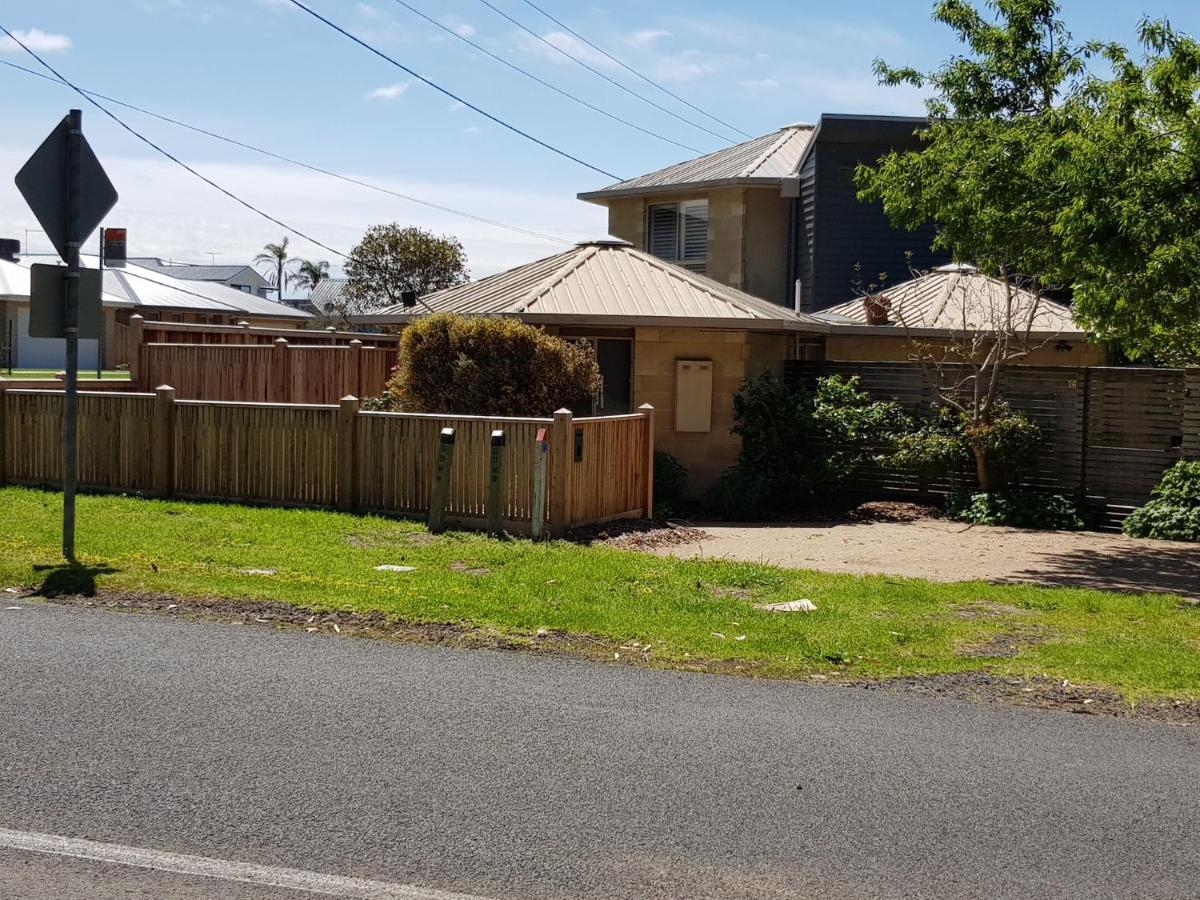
(70, 194)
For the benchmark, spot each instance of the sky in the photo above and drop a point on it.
(266, 73)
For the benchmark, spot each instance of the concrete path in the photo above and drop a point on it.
(509, 776)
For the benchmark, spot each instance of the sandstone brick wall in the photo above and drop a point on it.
(883, 348)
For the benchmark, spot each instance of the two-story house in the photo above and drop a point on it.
(777, 216)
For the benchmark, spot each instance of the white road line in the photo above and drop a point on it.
(224, 869)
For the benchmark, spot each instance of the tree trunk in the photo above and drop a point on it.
(982, 471)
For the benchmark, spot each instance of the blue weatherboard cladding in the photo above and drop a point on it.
(838, 231)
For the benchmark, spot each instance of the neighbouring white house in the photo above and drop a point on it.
(150, 293)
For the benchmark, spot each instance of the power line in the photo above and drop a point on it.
(541, 81)
(598, 73)
(437, 87)
(295, 162)
(167, 154)
(629, 68)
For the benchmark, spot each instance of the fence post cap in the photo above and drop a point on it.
(349, 398)
(60, 376)
(647, 407)
(164, 387)
(242, 323)
(562, 412)
(137, 316)
(356, 343)
(331, 330)
(280, 340)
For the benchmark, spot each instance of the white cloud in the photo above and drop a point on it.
(367, 11)
(389, 92)
(569, 44)
(649, 37)
(761, 84)
(686, 66)
(36, 40)
(462, 29)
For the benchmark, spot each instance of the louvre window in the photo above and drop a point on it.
(679, 233)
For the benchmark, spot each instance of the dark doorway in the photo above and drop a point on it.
(615, 357)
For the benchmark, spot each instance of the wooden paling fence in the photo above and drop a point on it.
(470, 471)
(1108, 434)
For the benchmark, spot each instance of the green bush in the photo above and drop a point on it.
(1016, 509)
(944, 444)
(798, 445)
(490, 366)
(1173, 512)
(670, 484)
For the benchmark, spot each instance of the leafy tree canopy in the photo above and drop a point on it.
(391, 259)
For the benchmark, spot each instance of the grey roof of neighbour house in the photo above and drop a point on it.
(959, 298)
(603, 282)
(150, 288)
(762, 160)
(190, 272)
(327, 293)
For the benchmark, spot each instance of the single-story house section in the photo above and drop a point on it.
(663, 335)
(134, 289)
(946, 306)
(17, 348)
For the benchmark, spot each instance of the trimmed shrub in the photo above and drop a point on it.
(943, 445)
(1173, 512)
(490, 366)
(1016, 509)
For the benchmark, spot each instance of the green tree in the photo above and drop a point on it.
(996, 131)
(309, 274)
(276, 256)
(391, 259)
(1130, 224)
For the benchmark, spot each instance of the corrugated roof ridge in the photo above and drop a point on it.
(578, 258)
(785, 135)
(715, 289)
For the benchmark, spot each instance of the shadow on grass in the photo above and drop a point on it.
(1136, 568)
(70, 580)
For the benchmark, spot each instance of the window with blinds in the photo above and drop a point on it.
(679, 233)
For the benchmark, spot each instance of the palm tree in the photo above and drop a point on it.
(276, 255)
(309, 274)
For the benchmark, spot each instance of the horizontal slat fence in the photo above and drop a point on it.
(333, 456)
(266, 373)
(1108, 434)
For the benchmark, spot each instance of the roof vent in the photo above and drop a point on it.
(604, 242)
(959, 268)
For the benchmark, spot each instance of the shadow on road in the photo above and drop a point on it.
(70, 580)
(1137, 568)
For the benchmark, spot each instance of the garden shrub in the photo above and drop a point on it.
(942, 445)
(1016, 509)
(490, 366)
(670, 484)
(1173, 512)
(798, 445)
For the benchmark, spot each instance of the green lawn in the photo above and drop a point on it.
(33, 374)
(695, 612)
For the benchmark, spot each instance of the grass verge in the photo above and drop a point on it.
(671, 612)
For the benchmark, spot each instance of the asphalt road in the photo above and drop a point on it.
(504, 775)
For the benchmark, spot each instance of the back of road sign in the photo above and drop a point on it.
(47, 299)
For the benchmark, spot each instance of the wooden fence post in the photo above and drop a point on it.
(561, 459)
(356, 377)
(1191, 414)
(280, 381)
(440, 495)
(541, 451)
(347, 454)
(133, 348)
(648, 412)
(495, 501)
(162, 449)
(3, 436)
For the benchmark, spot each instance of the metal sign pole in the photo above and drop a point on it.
(71, 330)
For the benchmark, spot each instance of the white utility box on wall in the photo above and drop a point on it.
(693, 394)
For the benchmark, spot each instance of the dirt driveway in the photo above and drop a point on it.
(942, 550)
